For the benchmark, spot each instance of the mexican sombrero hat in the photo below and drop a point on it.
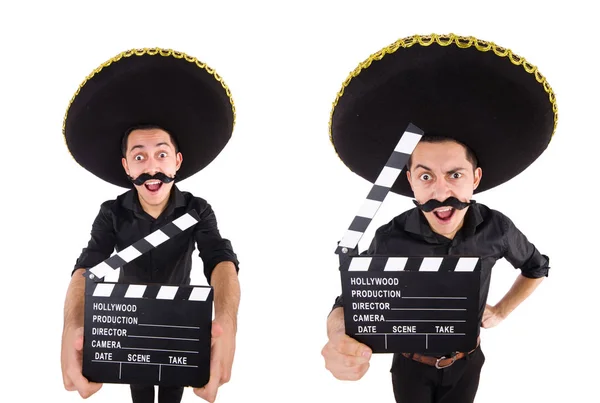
(474, 91)
(150, 86)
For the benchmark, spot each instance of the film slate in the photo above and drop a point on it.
(425, 304)
(146, 333)
(412, 304)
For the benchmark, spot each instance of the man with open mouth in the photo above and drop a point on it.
(487, 114)
(131, 123)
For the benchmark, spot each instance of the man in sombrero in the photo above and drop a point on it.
(487, 114)
(145, 120)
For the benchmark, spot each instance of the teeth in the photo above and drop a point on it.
(155, 182)
(444, 209)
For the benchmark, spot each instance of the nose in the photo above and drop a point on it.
(152, 167)
(441, 190)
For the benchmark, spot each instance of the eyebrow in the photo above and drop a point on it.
(162, 143)
(448, 172)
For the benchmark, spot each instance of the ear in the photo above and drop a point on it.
(125, 167)
(179, 159)
(409, 180)
(477, 177)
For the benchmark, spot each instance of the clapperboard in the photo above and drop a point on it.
(425, 304)
(146, 333)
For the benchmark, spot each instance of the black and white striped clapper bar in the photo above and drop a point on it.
(146, 333)
(425, 304)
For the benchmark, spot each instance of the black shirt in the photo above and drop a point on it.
(122, 221)
(486, 233)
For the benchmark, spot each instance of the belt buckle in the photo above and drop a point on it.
(437, 362)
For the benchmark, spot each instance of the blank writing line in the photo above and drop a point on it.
(410, 334)
(434, 297)
(426, 320)
(159, 349)
(158, 337)
(181, 327)
(428, 309)
(146, 363)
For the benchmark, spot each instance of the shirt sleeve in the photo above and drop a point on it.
(522, 254)
(212, 248)
(102, 240)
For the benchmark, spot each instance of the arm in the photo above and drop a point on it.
(73, 311)
(99, 248)
(520, 290)
(221, 270)
(534, 266)
(225, 283)
(346, 358)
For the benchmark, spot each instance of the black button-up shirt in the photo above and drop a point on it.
(122, 221)
(486, 233)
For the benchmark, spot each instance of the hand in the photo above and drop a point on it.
(71, 358)
(221, 360)
(346, 358)
(491, 317)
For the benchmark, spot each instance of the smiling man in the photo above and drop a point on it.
(486, 119)
(130, 124)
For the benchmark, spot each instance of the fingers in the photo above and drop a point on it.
(346, 358)
(225, 377)
(209, 392)
(346, 345)
(73, 379)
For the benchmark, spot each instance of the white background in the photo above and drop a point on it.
(281, 194)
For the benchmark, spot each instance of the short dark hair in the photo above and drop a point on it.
(144, 127)
(429, 138)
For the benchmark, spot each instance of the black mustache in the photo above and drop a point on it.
(451, 202)
(139, 181)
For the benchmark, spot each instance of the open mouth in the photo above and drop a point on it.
(444, 214)
(153, 186)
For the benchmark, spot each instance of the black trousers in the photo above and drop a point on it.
(145, 394)
(417, 382)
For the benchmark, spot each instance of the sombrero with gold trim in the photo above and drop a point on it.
(474, 91)
(150, 86)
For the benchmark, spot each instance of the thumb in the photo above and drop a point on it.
(216, 331)
(78, 341)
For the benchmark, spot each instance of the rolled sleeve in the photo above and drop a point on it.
(102, 240)
(522, 254)
(212, 248)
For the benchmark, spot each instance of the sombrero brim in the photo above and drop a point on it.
(154, 86)
(479, 93)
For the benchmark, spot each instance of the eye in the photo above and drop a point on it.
(163, 155)
(456, 175)
(138, 157)
(425, 177)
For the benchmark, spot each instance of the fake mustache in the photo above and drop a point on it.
(451, 202)
(139, 181)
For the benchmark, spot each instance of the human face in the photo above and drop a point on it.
(151, 151)
(439, 171)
